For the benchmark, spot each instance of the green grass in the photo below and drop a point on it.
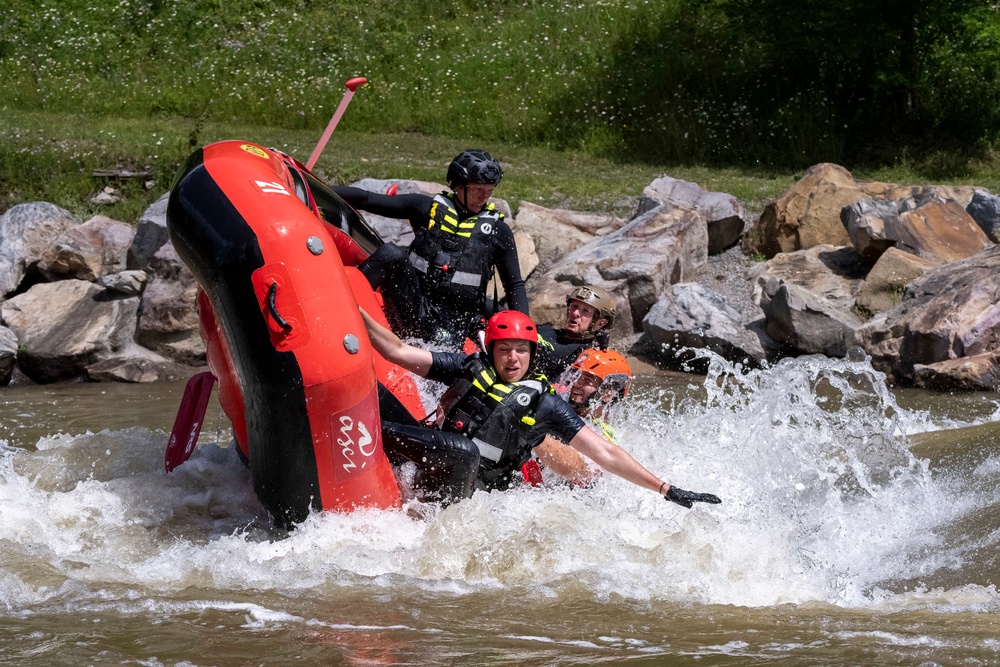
(653, 80)
(51, 157)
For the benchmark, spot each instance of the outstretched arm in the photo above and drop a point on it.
(564, 460)
(617, 461)
(412, 207)
(393, 349)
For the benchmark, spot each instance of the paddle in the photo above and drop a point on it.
(187, 424)
(352, 85)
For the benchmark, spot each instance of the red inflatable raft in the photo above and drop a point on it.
(275, 252)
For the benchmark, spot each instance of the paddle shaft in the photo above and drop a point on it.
(352, 85)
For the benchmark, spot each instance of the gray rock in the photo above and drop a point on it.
(690, 315)
(724, 213)
(558, 232)
(884, 286)
(129, 283)
(980, 372)
(136, 364)
(26, 230)
(807, 298)
(926, 225)
(150, 234)
(65, 326)
(88, 251)
(168, 323)
(950, 312)
(985, 210)
(8, 355)
(635, 264)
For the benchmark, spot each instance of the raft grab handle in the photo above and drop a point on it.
(272, 292)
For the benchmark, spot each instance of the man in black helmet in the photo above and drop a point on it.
(436, 288)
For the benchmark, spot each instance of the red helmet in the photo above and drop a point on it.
(511, 324)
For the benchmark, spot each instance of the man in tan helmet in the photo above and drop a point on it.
(590, 312)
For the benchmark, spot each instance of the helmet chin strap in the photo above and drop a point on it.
(463, 205)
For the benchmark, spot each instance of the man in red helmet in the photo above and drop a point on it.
(436, 288)
(492, 416)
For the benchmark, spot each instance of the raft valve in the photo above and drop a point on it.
(315, 245)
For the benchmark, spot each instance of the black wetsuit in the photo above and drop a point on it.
(421, 303)
(556, 350)
(449, 464)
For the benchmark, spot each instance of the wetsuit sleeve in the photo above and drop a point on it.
(555, 417)
(446, 366)
(505, 259)
(412, 207)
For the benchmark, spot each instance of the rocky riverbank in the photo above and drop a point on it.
(907, 273)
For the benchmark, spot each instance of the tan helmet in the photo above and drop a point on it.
(598, 298)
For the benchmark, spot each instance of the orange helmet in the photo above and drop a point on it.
(608, 365)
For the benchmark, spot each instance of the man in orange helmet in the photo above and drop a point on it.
(595, 381)
(492, 416)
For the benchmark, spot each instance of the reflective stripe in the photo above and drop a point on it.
(418, 262)
(488, 451)
(466, 278)
(459, 277)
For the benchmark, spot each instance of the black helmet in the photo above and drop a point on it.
(474, 166)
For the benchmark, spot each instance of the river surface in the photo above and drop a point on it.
(859, 527)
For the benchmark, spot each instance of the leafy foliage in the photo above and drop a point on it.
(729, 82)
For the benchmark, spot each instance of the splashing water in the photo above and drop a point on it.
(822, 503)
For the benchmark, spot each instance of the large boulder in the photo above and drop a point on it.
(951, 312)
(635, 264)
(885, 283)
(985, 210)
(8, 355)
(808, 296)
(723, 213)
(980, 372)
(168, 324)
(89, 251)
(26, 230)
(558, 232)
(135, 363)
(150, 234)
(689, 315)
(808, 213)
(65, 326)
(938, 230)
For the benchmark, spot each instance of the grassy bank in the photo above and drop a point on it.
(721, 82)
(52, 157)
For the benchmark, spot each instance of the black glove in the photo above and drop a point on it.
(686, 498)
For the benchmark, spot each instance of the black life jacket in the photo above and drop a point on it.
(557, 351)
(498, 417)
(455, 257)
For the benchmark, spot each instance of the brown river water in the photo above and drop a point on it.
(860, 526)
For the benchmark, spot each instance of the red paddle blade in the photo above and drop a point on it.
(187, 424)
(532, 472)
